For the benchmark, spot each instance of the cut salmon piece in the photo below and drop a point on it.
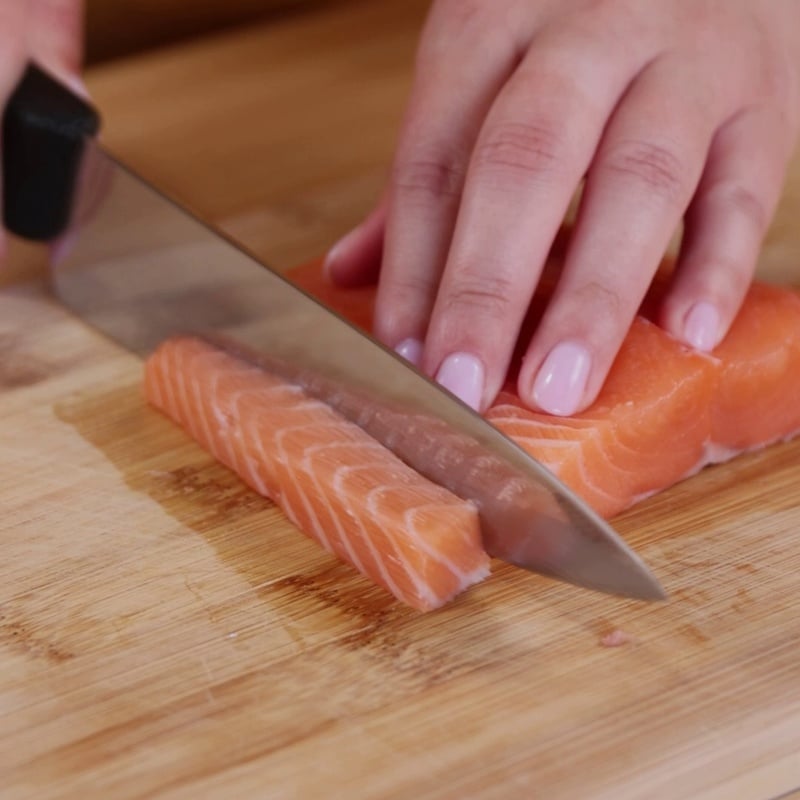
(758, 398)
(331, 479)
(648, 427)
(665, 411)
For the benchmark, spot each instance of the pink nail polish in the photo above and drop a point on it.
(410, 350)
(561, 382)
(463, 375)
(701, 327)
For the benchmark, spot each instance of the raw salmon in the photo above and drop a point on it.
(640, 436)
(330, 478)
(758, 398)
(665, 411)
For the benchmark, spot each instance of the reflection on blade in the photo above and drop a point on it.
(144, 269)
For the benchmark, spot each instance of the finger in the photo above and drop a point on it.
(355, 260)
(13, 54)
(452, 92)
(645, 172)
(533, 150)
(56, 35)
(726, 225)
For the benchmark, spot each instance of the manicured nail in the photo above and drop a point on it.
(701, 327)
(462, 374)
(560, 385)
(410, 350)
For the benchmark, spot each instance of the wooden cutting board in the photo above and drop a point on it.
(165, 633)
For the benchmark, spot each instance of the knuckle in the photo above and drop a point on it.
(741, 199)
(490, 296)
(599, 302)
(433, 176)
(527, 149)
(406, 289)
(654, 166)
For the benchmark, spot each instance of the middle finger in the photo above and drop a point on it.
(536, 143)
(642, 179)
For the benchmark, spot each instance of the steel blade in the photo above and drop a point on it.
(143, 268)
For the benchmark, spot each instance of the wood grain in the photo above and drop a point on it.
(164, 633)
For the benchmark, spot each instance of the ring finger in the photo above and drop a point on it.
(643, 177)
(535, 146)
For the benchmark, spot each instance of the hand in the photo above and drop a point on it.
(675, 111)
(49, 32)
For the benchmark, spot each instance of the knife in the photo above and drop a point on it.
(143, 268)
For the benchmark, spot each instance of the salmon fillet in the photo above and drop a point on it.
(665, 411)
(331, 479)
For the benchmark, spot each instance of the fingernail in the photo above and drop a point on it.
(561, 382)
(410, 350)
(701, 327)
(462, 374)
(336, 251)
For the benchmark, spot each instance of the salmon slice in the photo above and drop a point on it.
(665, 411)
(331, 479)
(758, 399)
(649, 425)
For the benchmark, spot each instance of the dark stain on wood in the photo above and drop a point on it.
(695, 635)
(23, 637)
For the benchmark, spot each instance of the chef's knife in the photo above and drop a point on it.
(142, 268)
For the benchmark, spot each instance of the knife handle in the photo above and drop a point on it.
(45, 126)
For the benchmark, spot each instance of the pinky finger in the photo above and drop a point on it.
(355, 260)
(725, 227)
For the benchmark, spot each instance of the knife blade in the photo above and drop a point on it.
(143, 268)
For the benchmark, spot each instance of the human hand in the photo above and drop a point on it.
(681, 110)
(48, 32)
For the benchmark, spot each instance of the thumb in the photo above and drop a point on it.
(56, 39)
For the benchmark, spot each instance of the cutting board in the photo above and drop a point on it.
(166, 633)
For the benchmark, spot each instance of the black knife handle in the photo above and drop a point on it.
(45, 126)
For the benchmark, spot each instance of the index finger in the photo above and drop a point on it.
(451, 93)
(55, 38)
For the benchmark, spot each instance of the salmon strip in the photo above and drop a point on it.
(665, 411)
(331, 479)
